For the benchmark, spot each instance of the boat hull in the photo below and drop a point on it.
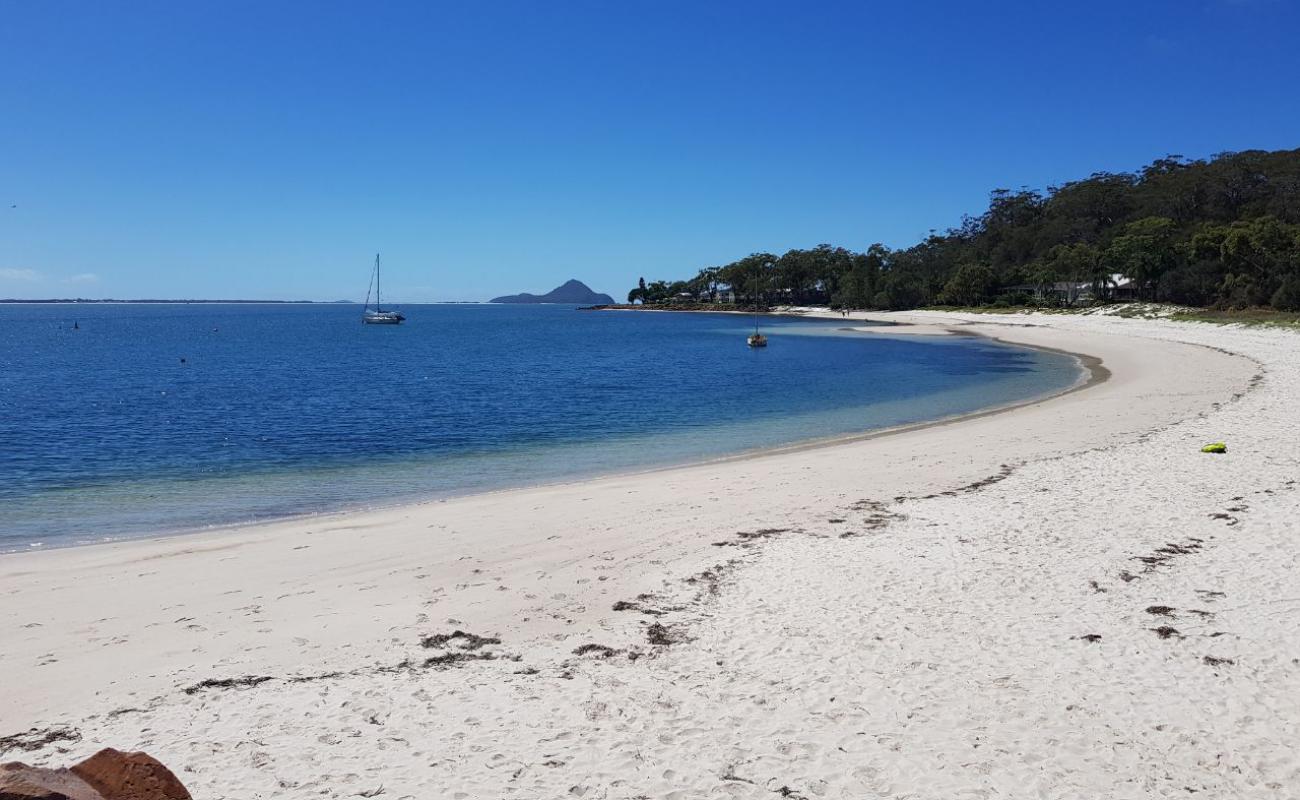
(383, 319)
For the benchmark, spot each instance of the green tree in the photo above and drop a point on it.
(1287, 296)
(858, 284)
(1076, 264)
(1144, 252)
(970, 285)
(1253, 256)
(658, 292)
(751, 277)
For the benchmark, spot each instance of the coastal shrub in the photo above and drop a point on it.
(902, 295)
(1197, 284)
(970, 285)
(1287, 296)
(1017, 300)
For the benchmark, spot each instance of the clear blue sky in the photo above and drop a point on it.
(268, 149)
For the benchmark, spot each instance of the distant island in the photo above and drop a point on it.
(572, 291)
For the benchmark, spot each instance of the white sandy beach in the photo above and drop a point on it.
(967, 610)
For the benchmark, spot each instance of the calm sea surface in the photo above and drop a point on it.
(152, 418)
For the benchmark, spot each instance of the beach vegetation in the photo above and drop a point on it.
(1262, 317)
(970, 285)
(1221, 233)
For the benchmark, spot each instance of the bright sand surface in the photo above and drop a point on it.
(898, 616)
(919, 329)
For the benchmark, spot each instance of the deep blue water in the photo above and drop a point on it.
(154, 418)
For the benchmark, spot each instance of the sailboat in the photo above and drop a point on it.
(756, 339)
(379, 316)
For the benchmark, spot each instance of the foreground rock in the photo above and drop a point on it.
(107, 775)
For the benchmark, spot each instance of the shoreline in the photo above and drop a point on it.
(708, 585)
(1091, 372)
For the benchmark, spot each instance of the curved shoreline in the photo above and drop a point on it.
(565, 552)
(1092, 372)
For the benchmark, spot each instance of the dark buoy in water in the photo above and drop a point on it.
(182, 360)
(75, 326)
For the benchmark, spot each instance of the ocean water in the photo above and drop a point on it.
(163, 418)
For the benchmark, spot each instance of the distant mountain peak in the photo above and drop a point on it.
(571, 291)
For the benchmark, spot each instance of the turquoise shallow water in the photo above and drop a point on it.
(158, 418)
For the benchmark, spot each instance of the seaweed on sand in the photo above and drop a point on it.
(661, 635)
(452, 659)
(466, 641)
(36, 738)
(228, 683)
(631, 605)
(602, 651)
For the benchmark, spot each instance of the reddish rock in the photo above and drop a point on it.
(108, 775)
(130, 776)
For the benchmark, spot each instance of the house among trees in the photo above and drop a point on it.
(1116, 289)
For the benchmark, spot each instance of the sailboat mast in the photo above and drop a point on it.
(379, 305)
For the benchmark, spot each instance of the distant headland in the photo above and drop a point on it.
(572, 291)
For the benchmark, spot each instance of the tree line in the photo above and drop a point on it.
(1221, 232)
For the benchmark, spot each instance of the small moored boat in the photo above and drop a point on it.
(379, 316)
